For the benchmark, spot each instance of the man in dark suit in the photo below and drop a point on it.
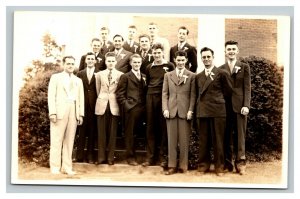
(131, 94)
(238, 106)
(145, 51)
(131, 45)
(106, 45)
(178, 101)
(191, 51)
(122, 55)
(96, 46)
(156, 131)
(89, 127)
(212, 85)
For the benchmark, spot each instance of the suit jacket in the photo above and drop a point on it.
(108, 47)
(241, 83)
(100, 64)
(90, 93)
(123, 61)
(107, 93)
(131, 91)
(211, 92)
(59, 94)
(148, 59)
(133, 49)
(179, 96)
(191, 51)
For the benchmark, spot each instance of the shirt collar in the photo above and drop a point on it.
(135, 72)
(180, 45)
(162, 63)
(177, 71)
(233, 62)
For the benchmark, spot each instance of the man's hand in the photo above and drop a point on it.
(166, 114)
(79, 122)
(189, 115)
(53, 118)
(244, 110)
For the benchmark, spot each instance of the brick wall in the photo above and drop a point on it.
(255, 36)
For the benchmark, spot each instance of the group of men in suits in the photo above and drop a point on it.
(132, 80)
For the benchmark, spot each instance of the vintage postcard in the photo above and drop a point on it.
(259, 46)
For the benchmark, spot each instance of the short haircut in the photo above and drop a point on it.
(132, 26)
(184, 28)
(90, 53)
(144, 35)
(152, 23)
(207, 49)
(158, 46)
(95, 39)
(134, 56)
(67, 57)
(110, 54)
(118, 36)
(104, 28)
(180, 53)
(231, 42)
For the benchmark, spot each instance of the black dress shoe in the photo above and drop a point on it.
(170, 171)
(181, 171)
(145, 164)
(164, 164)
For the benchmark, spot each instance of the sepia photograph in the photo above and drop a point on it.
(155, 100)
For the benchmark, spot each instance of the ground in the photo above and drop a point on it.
(259, 174)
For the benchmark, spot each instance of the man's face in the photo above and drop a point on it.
(110, 62)
(145, 43)
(158, 54)
(180, 62)
(182, 35)
(231, 51)
(136, 63)
(69, 65)
(131, 33)
(90, 60)
(104, 35)
(118, 42)
(207, 58)
(153, 30)
(96, 45)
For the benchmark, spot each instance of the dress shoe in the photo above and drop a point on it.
(220, 174)
(55, 171)
(181, 170)
(110, 162)
(145, 164)
(69, 172)
(164, 164)
(170, 171)
(91, 162)
(132, 163)
(242, 171)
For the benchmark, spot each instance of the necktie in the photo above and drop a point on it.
(231, 66)
(90, 74)
(207, 72)
(179, 74)
(138, 75)
(109, 77)
(144, 54)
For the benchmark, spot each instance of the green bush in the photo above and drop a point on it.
(34, 128)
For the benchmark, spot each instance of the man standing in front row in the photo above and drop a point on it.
(212, 86)
(66, 111)
(131, 93)
(178, 101)
(238, 106)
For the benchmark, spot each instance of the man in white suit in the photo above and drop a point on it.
(66, 111)
(107, 109)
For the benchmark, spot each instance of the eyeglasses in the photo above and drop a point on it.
(208, 57)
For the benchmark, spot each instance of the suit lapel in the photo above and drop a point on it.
(185, 73)
(174, 77)
(133, 77)
(93, 77)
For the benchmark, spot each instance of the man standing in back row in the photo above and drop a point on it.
(237, 106)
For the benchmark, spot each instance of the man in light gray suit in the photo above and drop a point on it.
(107, 109)
(178, 101)
(66, 110)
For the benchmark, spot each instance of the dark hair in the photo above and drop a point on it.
(104, 28)
(95, 39)
(207, 49)
(134, 56)
(90, 53)
(132, 26)
(184, 28)
(67, 57)
(152, 23)
(180, 53)
(158, 46)
(110, 54)
(118, 36)
(144, 35)
(231, 42)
